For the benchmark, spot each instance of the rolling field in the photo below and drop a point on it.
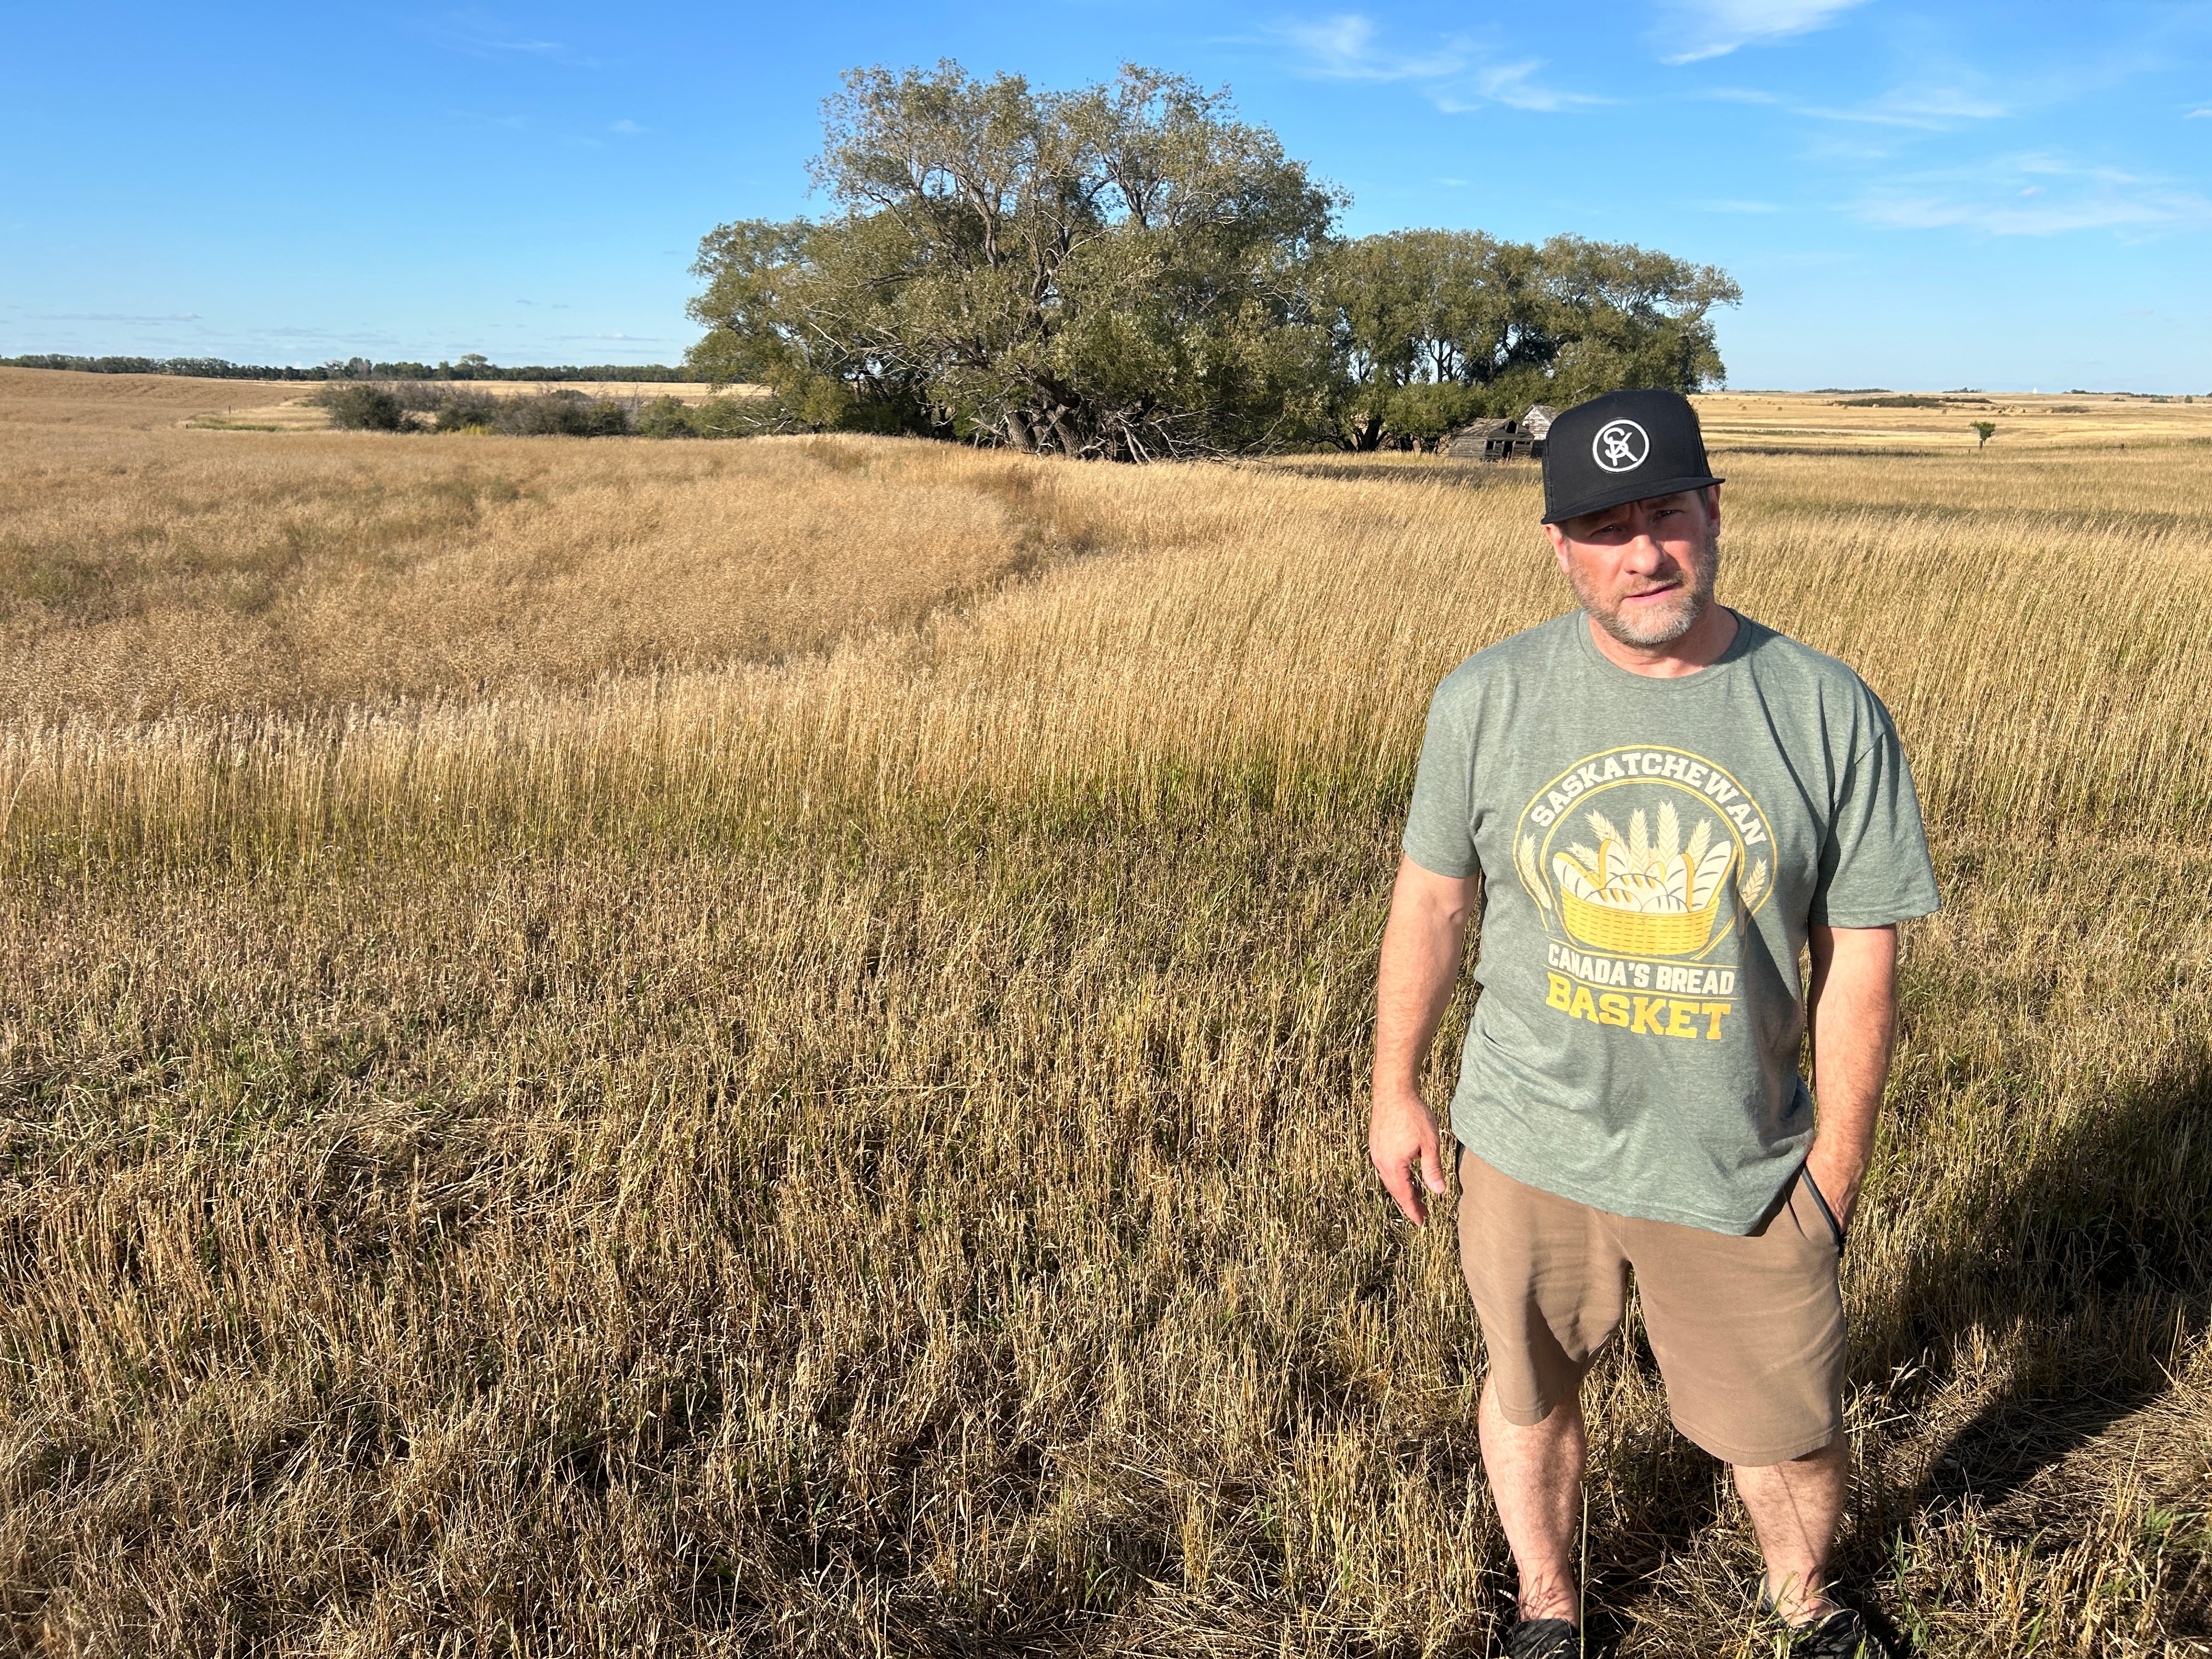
(1867, 424)
(47, 403)
(613, 1046)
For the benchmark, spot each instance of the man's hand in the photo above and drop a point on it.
(1837, 1174)
(1853, 1012)
(1401, 1133)
(1420, 965)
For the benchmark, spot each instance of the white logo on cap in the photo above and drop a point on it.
(1620, 447)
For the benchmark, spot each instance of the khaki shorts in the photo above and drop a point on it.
(1748, 1332)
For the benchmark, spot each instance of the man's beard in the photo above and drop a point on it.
(1669, 622)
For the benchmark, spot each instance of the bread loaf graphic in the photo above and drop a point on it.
(1637, 895)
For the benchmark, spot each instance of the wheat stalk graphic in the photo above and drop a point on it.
(1755, 885)
(1643, 874)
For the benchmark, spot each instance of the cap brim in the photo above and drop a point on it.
(1623, 493)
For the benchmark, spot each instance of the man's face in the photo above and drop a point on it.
(1645, 571)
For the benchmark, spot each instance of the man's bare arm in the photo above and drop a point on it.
(1421, 947)
(1853, 1011)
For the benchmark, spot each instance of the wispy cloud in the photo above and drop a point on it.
(2036, 195)
(626, 128)
(1691, 30)
(1920, 108)
(2198, 115)
(1926, 109)
(476, 34)
(1515, 86)
(1343, 48)
(1456, 74)
(1879, 127)
(113, 317)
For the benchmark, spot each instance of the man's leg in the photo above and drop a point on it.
(1793, 1508)
(1549, 1284)
(1749, 1335)
(1536, 1478)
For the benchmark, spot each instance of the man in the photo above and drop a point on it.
(1656, 804)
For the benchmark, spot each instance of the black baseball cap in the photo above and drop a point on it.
(1623, 446)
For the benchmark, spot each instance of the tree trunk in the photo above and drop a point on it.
(1019, 433)
(1063, 430)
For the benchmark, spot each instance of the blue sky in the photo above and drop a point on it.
(1911, 196)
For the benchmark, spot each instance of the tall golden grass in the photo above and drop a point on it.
(149, 572)
(825, 1117)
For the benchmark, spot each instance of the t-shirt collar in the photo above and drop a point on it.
(1713, 671)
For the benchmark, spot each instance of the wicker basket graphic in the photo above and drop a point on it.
(1635, 898)
(1641, 933)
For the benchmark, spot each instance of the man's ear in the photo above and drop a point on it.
(1559, 545)
(1713, 505)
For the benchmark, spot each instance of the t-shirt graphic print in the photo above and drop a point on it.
(1641, 923)
(1656, 852)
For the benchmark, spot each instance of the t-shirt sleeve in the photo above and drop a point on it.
(1874, 868)
(1439, 825)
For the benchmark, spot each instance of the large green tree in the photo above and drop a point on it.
(1127, 270)
(1433, 327)
(1121, 270)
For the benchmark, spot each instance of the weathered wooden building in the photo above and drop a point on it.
(1505, 440)
(1487, 441)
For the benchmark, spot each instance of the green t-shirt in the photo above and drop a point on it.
(1655, 853)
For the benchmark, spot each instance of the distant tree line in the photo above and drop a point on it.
(474, 366)
(564, 412)
(1127, 270)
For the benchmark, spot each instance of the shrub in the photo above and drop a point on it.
(714, 417)
(469, 411)
(666, 418)
(561, 413)
(364, 406)
(387, 406)
(730, 418)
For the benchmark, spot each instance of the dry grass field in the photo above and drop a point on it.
(44, 399)
(1787, 422)
(625, 1048)
(303, 412)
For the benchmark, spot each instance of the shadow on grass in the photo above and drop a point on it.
(2091, 1260)
(2093, 1265)
(1402, 468)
